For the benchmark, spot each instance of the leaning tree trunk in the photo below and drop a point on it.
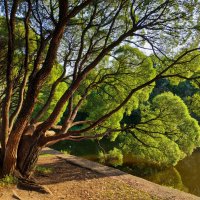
(28, 153)
(22, 153)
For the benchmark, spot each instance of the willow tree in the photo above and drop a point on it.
(78, 35)
(166, 131)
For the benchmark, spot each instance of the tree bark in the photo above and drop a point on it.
(28, 153)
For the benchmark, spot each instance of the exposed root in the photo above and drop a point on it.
(28, 184)
(16, 196)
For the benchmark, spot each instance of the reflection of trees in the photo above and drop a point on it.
(169, 177)
(189, 171)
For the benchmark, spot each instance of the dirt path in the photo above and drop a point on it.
(69, 177)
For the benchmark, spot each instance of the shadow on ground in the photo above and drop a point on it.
(62, 171)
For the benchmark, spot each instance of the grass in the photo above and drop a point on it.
(65, 152)
(8, 180)
(46, 155)
(44, 170)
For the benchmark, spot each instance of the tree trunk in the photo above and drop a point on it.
(24, 160)
(28, 154)
(10, 157)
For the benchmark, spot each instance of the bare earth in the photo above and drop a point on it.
(66, 180)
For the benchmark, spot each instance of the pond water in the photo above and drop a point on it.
(185, 176)
(189, 170)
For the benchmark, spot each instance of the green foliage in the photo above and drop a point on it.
(19, 44)
(128, 70)
(177, 120)
(45, 91)
(113, 157)
(65, 152)
(8, 180)
(163, 131)
(193, 103)
(187, 66)
(167, 131)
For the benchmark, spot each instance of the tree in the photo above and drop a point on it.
(80, 36)
(194, 104)
(165, 134)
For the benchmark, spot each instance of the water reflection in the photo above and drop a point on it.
(185, 176)
(169, 177)
(189, 170)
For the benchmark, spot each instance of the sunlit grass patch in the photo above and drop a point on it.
(46, 155)
(8, 180)
(44, 170)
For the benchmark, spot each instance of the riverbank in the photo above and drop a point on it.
(70, 177)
